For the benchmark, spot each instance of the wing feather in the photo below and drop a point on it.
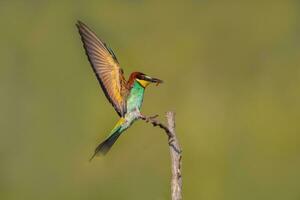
(106, 67)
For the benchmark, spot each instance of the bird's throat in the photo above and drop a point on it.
(143, 82)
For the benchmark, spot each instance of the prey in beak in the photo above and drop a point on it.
(152, 80)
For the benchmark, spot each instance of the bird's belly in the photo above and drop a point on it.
(130, 117)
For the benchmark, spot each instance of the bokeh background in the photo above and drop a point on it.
(231, 72)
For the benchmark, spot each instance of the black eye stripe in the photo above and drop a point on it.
(141, 76)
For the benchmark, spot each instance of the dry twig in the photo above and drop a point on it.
(175, 152)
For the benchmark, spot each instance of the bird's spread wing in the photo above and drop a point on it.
(106, 68)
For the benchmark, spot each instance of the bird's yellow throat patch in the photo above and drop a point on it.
(143, 82)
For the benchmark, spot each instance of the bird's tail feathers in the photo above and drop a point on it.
(105, 146)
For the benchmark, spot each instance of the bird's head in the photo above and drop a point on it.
(144, 79)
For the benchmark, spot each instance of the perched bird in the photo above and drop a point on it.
(125, 96)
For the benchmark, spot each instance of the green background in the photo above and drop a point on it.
(231, 72)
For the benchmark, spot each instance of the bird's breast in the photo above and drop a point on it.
(135, 98)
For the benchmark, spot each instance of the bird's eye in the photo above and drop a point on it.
(140, 76)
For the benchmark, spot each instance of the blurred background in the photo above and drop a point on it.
(231, 72)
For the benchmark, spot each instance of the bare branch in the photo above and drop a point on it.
(175, 152)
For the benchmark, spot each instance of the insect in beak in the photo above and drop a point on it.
(153, 80)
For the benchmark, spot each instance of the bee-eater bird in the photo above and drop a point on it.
(125, 96)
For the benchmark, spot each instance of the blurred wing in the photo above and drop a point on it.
(106, 68)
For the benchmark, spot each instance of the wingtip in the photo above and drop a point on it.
(79, 24)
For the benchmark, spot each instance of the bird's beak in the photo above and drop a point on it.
(153, 80)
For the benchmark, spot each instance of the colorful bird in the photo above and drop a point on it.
(125, 96)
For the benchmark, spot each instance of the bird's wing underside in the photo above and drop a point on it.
(106, 68)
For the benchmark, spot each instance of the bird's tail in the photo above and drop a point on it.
(105, 146)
